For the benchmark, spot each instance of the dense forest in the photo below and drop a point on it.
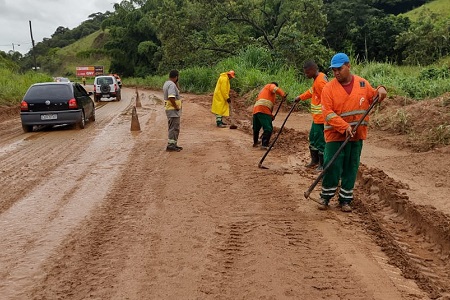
(147, 37)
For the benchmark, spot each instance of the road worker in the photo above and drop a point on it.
(316, 139)
(345, 99)
(173, 110)
(221, 98)
(262, 113)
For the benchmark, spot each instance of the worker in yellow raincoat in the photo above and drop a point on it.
(221, 99)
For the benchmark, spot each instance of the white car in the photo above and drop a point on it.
(106, 87)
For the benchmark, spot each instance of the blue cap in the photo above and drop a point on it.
(338, 60)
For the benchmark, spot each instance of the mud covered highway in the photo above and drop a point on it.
(105, 213)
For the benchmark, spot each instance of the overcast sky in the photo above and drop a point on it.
(45, 17)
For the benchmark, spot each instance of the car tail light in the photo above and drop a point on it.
(73, 103)
(115, 87)
(24, 106)
(94, 88)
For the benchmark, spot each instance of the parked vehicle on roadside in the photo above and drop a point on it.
(56, 103)
(119, 81)
(61, 79)
(106, 86)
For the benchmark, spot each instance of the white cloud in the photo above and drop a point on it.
(45, 17)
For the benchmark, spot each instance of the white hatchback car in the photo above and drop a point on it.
(106, 87)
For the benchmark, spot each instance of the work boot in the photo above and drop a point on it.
(323, 204)
(345, 207)
(265, 139)
(172, 148)
(320, 166)
(221, 125)
(314, 158)
(255, 138)
(179, 147)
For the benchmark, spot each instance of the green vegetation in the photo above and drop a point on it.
(13, 85)
(440, 8)
(87, 51)
(251, 74)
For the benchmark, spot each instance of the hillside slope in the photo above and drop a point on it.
(439, 7)
(84, 52)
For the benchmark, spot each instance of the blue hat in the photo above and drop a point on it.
(338, 60)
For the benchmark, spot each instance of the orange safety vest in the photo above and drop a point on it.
(266, 99)
(315, 93)
(341, 109)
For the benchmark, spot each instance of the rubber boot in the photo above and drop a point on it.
(314, 158)
(255, 138)
(265, 140)
(320, 166)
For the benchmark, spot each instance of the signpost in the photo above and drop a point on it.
(89, 71)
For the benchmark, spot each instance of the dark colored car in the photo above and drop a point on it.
(55, 103)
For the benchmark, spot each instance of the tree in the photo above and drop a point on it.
(425, 42)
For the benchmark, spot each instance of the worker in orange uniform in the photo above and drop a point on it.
(316, 139)
(262, 113)
(221, 98)
(345, 99)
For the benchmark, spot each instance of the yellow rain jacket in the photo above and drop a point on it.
(221, 94)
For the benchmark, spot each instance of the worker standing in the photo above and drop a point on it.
(262, 113)
(173, 110)
(84, 81)
(345, 99)
(316, 139)
(221, 98)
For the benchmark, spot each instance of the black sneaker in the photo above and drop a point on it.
(172, 148)
(179, 147)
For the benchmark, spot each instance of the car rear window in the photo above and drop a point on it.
(49, 91)
(104, 80)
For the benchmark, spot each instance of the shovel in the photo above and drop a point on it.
(313, 185)
(276, 138)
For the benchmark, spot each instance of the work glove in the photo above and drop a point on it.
(229, 100)
(297, 99)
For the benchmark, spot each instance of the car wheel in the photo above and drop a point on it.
(92, 118)
(82, 123)
(27, 128)
(119, 96)
(105, 88)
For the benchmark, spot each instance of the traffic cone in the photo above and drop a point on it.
(135, 126)
(138, 100)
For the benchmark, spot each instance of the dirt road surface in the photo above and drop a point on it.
(106, 213)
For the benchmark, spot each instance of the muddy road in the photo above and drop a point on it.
(105, 213)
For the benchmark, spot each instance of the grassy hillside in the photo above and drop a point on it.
(84, 52)
(438, 7)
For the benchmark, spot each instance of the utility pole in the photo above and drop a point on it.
(13, 46)
(32, 43)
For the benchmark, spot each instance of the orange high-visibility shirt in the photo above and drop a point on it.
(266, 99)
(341, 109)
(315, 93)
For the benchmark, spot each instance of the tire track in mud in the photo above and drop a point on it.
(415, 237)
(25, 159)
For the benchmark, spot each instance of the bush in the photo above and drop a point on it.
(14, 85)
